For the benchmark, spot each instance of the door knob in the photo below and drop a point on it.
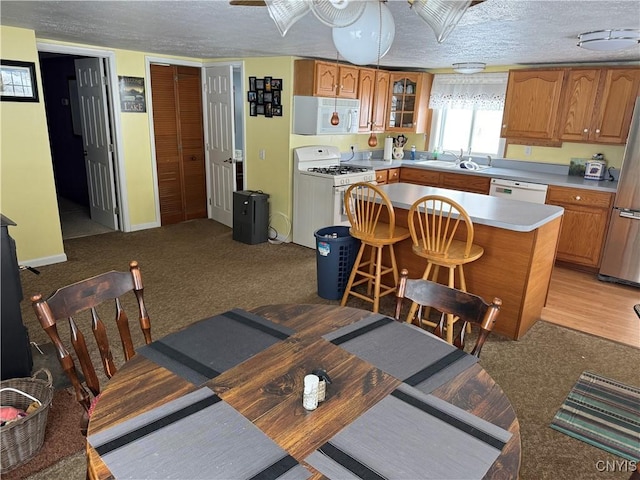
(193, 157)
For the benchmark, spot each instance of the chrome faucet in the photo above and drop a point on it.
(459, 158)
(489, 158)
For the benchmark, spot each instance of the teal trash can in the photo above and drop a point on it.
(336, 252)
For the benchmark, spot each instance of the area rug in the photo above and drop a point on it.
(603, 413)
(62, 436)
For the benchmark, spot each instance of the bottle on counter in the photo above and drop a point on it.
(310, 394)
(413, 152)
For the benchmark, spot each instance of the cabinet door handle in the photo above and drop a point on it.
(504, 126)
(586, 130)
(597, 130)
(578, 197)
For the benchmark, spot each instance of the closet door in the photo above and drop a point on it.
(189, 91)
(179, 142)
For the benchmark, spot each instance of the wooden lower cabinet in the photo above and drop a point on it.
(466, 183)
(390, 175)
(419, 176)
(452, 181)
(584, 224)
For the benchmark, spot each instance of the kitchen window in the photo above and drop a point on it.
(468, 113)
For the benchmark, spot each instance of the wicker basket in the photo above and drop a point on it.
(22, 438)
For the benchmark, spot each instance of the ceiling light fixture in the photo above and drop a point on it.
(609, 40)
(441, 15)
(356, 25)
(369, 37)
(469, 67)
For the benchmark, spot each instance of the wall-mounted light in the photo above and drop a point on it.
(469, 67)
(609, 40)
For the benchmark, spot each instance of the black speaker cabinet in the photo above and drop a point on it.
(250, 217)
(16, 350)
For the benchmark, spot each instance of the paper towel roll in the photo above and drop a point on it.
(388, 149)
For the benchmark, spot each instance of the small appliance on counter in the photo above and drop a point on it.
(595, 168)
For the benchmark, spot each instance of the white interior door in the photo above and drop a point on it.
(96, 137)
(220, 143)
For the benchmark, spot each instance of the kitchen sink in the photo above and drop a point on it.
(437, 163)
(466, 165)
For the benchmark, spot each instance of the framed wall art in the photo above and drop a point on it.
(132, 94)
(265, 97)
(18, 81)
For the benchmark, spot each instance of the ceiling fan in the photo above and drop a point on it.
(248, 3)
(441, 15)
(261, 3)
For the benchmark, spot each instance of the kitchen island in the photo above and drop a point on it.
(519, 241)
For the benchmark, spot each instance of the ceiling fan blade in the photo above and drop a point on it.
(248, 3)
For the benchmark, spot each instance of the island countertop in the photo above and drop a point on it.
(519, 241)
(484, 210)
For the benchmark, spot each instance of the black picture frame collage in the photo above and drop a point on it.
(265, 96)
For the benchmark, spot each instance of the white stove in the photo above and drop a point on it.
(319, 183)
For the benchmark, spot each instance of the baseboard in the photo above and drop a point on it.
(42, 261)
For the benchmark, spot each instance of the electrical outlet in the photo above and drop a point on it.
(262, 154)
(354, 148)
(527, 150)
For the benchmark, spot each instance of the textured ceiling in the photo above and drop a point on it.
(497, 32)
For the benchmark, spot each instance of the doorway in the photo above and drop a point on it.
(225, 137)
(229, 133)
(69, 152)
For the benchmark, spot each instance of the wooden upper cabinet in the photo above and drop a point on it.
(325, 79)
(614, 105)
(373, 99)
(598, 104)
(579, 101)
(532, 104)
(408, 104)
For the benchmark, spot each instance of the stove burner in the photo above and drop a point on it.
(338, 170)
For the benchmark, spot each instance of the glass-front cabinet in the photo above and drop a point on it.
(408, 102)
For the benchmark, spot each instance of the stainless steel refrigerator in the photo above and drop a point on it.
(621, 259)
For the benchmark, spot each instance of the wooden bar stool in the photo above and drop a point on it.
(434, 224)
(366, 204)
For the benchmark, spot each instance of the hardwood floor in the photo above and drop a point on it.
(579, 301)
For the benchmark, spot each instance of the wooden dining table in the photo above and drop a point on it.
(262, 386)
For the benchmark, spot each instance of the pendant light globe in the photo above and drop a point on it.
(358, 43)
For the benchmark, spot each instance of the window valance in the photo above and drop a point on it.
(482, 91)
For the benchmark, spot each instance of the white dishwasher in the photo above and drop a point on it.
(515, 190)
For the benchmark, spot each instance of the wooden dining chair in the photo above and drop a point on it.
(442, 233)
(64, 306)
(373, 222)
(469, 308)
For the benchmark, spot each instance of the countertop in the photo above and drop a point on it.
(483, 209)
(549, 174)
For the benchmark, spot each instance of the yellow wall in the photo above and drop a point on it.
(271, 134)
(136, 146)
(27, 188)
(563, 155)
